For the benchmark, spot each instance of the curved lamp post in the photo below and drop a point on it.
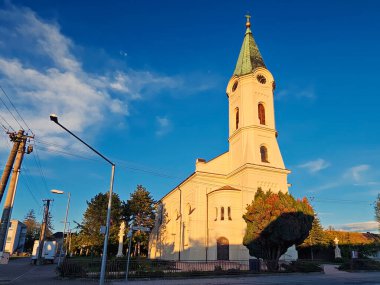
(54, 118)
(55, 191)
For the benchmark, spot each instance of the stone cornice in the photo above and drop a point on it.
(260, 168)
(256, 127)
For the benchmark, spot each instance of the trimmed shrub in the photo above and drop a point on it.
(361, 264)
(302, 266)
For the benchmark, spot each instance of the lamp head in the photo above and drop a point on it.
(55, 191)
(54, 118)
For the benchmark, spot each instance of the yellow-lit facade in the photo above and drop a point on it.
(201, 219)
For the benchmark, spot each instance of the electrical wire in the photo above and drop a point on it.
(14, 107)
(130, 166)
(29, 190)
(6, 122)
(11, 113)
(312, 199)
(32, 182)
(62, 147)
(43, 148)
(38, 163)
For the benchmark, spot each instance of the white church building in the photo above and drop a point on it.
(201, 218)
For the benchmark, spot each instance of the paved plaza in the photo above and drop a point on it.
(20, 271)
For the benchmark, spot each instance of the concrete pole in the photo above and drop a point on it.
(5, 218)
(43, 232)
(10, 161)
(63, 247)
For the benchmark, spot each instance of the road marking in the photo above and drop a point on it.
(23, 274)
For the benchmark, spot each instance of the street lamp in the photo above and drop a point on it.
(54, 118)
(55, 191)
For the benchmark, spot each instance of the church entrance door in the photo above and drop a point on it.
(222, 249)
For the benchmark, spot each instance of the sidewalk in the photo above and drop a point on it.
(331, 269)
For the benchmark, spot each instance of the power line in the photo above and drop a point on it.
(29, 190)
(6, 122)
(338, 201)
(158, 173)
(31, 181)
(43, 148)
(38, 163)
(14, 107)
(11, 113)
(62, 147)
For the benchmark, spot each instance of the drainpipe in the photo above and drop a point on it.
(180, 223)
(206, 226)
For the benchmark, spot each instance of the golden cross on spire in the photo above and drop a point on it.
(248, 24)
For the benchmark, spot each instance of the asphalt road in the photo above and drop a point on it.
(294, 279)
(20, 271)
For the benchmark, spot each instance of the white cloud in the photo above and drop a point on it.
(42, 75)
(138, 84)
(164, 126)
(356, 173)
(307, 93)
(360, 226)
(315, 165)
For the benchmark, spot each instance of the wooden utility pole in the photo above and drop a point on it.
(8, 205)
(43, 231)
(16, 139)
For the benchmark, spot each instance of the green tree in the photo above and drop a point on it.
(141, 206)
(32, 230)
(377, 210)
(275, 222)
(94, 217)
(317, 240)
(317, 235)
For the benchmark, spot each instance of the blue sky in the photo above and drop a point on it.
(144, 82)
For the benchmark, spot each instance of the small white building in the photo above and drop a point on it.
(16, 237)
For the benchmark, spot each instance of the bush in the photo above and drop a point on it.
(67, 269)
(361, 264)
(302, 266)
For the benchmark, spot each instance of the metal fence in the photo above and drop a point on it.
(148, 268)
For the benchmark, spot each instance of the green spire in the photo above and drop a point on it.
(249, 57)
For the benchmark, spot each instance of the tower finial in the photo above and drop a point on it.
(248, 24)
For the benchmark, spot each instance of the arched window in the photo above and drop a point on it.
(236, 118)
(188, 209)
(216, 214)
(222, 213)
(264, 154)
(160, 214)
(229, 214)
(261, 111)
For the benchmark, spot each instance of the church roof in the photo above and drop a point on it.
(226, 187)
(249, 57)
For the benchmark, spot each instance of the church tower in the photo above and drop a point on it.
(252, 129)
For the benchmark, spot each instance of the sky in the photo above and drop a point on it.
(144, 83)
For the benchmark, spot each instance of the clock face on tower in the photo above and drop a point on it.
(261, 78)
